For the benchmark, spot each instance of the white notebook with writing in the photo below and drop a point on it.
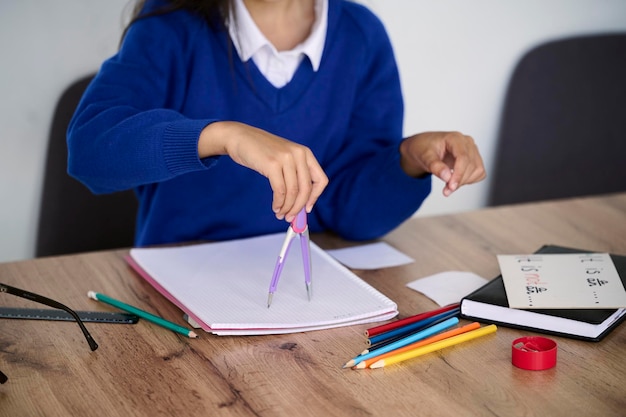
(223, 287)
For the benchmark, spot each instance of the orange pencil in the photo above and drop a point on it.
(423, 350)
(464, 329)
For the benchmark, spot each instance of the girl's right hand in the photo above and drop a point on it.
(295, 176)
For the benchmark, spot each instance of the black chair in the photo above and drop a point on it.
(563, 129)
(71, 218)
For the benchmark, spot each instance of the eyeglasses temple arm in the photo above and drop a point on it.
(52, 303)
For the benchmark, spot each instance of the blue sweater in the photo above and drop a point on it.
(138, 124)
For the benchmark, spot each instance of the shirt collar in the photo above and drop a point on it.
(248, 39)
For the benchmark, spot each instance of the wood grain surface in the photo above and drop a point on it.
(145, 370)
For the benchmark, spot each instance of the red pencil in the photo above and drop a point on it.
(408, 320)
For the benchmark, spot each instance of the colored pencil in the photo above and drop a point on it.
(422, 334)
(412, 327)
(432, 339)
(408, 320)
(387, 338)
(454, 340)
(143, 314)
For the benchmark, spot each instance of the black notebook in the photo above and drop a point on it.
(489, 304)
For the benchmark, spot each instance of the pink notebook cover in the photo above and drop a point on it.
(129, 259)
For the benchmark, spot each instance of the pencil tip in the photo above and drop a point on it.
(193, 334)
(378, 364)
(360, 365)
(349, 364)
(269, 300)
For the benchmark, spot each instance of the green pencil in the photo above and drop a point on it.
(143, 314)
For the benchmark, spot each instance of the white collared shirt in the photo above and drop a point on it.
(277, 66)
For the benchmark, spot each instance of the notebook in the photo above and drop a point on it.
(490, 304)
(222, 287)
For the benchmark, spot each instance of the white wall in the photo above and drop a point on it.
(44, 46)
(455, 57)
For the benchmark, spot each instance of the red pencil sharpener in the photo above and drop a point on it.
(534, 353)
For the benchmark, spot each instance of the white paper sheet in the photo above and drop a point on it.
(370, 256)
(448, 287)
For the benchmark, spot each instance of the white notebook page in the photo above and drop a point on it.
(224, 286)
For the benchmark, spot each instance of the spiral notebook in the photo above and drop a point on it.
(222, 287)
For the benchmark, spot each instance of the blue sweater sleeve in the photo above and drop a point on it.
(369, 194)
(126, 131)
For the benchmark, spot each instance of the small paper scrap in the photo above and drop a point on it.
(448, 287)
(370, 256)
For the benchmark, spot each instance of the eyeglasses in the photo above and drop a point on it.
(49, 302)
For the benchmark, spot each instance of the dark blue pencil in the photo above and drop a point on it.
(411, 328)
(414, 337)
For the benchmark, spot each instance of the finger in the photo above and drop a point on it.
(459, 171)
(319, 182)
(475, 172)
(478, 173)
(438, 168)
(469, 163)
(471, 169)
(442, 171)
(459, 155)
(303, 192)
(292, 185)
(277, 183)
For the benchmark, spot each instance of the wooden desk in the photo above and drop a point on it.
(145, 370)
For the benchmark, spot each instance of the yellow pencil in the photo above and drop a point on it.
(435, 346)
(439, 336)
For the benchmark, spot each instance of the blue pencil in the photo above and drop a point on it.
(425, 323)
(405, 341)
(413, 327)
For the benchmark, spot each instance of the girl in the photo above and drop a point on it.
(208, 101)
